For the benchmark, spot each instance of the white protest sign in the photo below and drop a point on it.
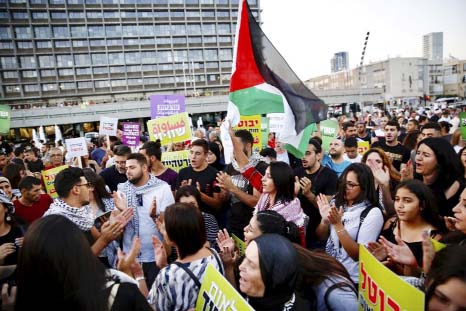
(76, 147)
(108, 126)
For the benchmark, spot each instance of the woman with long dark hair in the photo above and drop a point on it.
(438, 166)
(11, 236)
(357, 220)
(58, 271)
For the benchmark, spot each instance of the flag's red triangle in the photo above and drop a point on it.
(246, 74)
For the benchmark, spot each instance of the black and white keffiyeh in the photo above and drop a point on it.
(134, 198)
(80, 216)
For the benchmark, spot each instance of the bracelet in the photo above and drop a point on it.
(341, 230)
(140, 278)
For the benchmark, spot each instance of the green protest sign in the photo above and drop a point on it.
(5, 114)
(217, 294)
(239, 243)
(329, 131)
(463, 124)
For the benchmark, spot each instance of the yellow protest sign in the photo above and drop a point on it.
(216, 293)
(176, 160)
(170, 129)
(240, 244)
(438, 246)
(253, 125)
(49, 179)
(381, 289)
(363, 146)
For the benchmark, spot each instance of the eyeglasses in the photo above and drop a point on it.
(88, 185)
(350, 185)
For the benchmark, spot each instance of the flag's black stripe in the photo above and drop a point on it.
(307, 107)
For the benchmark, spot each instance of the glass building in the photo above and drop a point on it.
(59, 50)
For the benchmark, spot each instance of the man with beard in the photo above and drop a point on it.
(116, 174)
(334, 160)
(314, 179)
(203, 176)
(396, 152)
(243, 196)
(363, 134)
(73, 203)
(140, 191)
(32, 204)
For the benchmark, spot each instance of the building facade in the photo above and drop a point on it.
(433, 46)
(57, 52)
(339, 62)
(454, 73)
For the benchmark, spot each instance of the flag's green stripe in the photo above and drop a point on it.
(298, 151)
(252, 101)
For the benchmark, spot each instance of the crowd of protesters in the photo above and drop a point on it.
(128, 233)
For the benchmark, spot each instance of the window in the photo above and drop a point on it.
(10, 74)
(163, 41)
(46, 61)
(146, 30)
(97, 42)
(193, 14)
(194, 29)
(116, 58)
(60, 32)
(113, 42)
(133, 68)
(208, 29)
(57, 1)
(195, 55)
(118, 83)
(225, 54)
(195, 40)
(8, 62)
(130, 30)
(28, 88)
(42, 32)
(76, 15)
(49, 87)
(29, 74)
(111, 14)
(180, 56)
(164, 57)
(102, 84)
(131, 42)
(25, 45)
(79, 43)
(96, 31)
(134, 81)
(210, 40)
(58, 15)
(78, 31)
(85, 85)
(99, 59)
(12, 89)
(65, 72)
(3, 14)
(167, 80)
(6, 45)
(147, 57)
(83, 71)
(178, 29)
(48, 73)
(147, 41)
(94, 14)
(20, 15)
(179, 40)
(27, 61)
(5, 33)
(208, 14)
(62, 44)
(223, 14)
(224, 28)
(113, 31)
(75, 1)
(64, 60)
(37, 1)
(224, 39)
(128, 14)
(133, 57)
(100, 70)
(161, 14)
(117, 69)
(67, 86)
(149, 81)
(40, 15)
(145, 14)
(44, 44)
(177, 14)
(23, 32)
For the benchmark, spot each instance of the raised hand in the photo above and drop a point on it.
(378, 250)
(400, 252)
(6, 249)
(110, 232)
(381, 175)
(224, 181)
(428, 252)
(335, 215)
(160, 252)
(305, 185)
(125, 261)
(407, 173)
(324, 207)
(119, 199)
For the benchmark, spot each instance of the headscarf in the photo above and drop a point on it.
(278, 264)
(215, 149)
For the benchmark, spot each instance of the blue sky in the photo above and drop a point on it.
(308, 32)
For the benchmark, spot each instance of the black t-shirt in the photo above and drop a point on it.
(397, 154)
(323, 181)
(240, 214)
(112, 178)
(128, 298)
(15, 232)
(207, 181)
(36, 167)
(366, 138)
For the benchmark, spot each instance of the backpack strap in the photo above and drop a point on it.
(363, 216)
(190, 273)
(113, 293)
(217, 258)
(332, 288)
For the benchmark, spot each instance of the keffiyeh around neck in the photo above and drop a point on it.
(80, 216)
(253, 160)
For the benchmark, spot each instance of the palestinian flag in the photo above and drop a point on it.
(263, 83)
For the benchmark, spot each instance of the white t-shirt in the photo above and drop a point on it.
(355, 160)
